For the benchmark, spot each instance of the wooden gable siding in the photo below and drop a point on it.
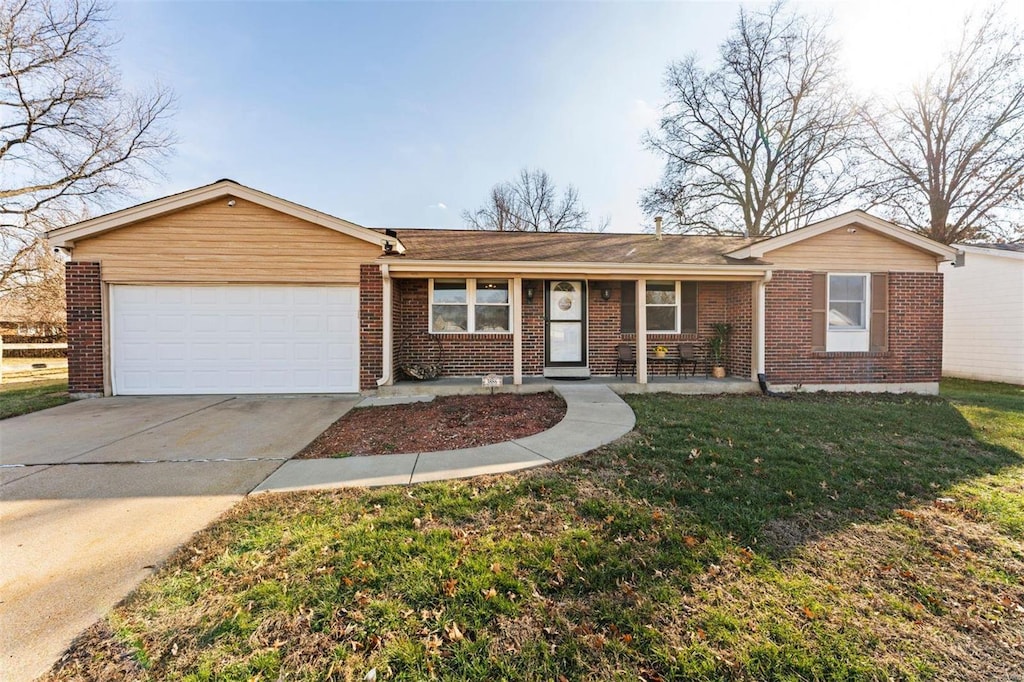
(861, 251)
(216, 243)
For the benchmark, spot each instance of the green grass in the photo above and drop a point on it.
(15, 400)
(735, 537)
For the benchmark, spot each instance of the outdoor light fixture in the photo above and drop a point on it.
(606, 293)
(529, 294)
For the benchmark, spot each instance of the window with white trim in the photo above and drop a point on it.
(671, 307)
(662, 308)
(470, 306)
(848, 314)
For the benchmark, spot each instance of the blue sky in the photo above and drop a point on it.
(404, 114)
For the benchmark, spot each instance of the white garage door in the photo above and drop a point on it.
(176, 340)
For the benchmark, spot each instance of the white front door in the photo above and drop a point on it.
(234, 339)
(566, 323)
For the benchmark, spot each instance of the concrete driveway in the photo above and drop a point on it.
(94, 494)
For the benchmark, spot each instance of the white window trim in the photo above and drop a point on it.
(677, 305)
(848, 339)
(470, 306)
(678, 326)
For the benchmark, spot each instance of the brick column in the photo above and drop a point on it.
(371, 326)
(85, 328)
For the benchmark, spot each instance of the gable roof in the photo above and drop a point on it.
(567, 247)
(758, 249)
(66, 236)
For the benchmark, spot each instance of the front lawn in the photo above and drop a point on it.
(22, 398)
(738, 537)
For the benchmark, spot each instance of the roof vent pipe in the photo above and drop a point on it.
(657, 227)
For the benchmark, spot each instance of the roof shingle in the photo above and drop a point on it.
(567, 247)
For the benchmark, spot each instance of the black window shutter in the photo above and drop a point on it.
(628, 308)
(688, 309)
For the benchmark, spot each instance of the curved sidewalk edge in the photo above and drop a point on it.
(594, 416)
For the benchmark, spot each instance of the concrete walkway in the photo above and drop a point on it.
(594, 416)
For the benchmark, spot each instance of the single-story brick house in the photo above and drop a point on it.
(225, 289)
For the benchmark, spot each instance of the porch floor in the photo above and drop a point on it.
(656, 384)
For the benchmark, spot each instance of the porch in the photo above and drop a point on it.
(527, 338)
(698, 385)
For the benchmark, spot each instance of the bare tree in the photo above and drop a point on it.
(949, 156)
(71, 138)
(40, 302)
(531, 203)
(759, 144)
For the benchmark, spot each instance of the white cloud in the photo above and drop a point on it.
(439, 205)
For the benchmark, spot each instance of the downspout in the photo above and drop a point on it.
(761, 286)
(387, 349)
(761, 334)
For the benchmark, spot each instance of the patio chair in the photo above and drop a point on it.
(687, 357)
(625, 359)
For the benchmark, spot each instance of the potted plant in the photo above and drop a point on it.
(717, 345)
(660, 351)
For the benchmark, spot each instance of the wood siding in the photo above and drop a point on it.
(215, 243)
(861, 251)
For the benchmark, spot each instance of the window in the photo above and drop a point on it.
(671, 307)
(848, 296)
(846, 301)
(461, 306)
(662, 310)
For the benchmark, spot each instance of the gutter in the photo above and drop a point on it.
(387, 347)
(565, 269)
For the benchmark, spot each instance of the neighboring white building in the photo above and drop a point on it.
(983, 331)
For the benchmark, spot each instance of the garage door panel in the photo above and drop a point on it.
(234, 339)
(171, 351)
(274, 324)
(309, 352)
(168, 295)
(340, 324)
(203, 296)
(274, 297)
(238, 323)
(203, 323)
(238, 295)
(240, 351)
(307, 324)
(340, 352)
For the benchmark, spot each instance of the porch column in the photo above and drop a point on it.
(758, 363)
(641, 331)
(387, 359)
(517, 331)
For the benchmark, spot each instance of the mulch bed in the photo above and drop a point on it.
(446, 423)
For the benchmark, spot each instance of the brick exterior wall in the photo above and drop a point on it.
(85, 327)
(371, 326)
(533, 329)
(479, 354)
(459, 354)
(915, 334)
(739, 311)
